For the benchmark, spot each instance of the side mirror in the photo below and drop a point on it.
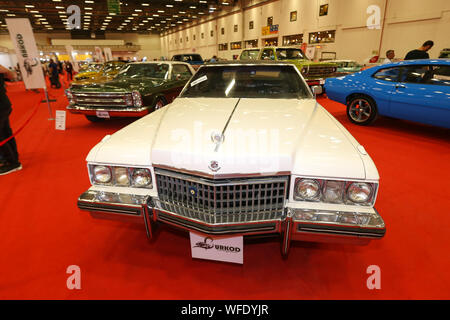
(317, 90)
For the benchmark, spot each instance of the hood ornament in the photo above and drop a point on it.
(214, 166)
(217, 138)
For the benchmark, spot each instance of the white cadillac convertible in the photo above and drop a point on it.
(244, 150)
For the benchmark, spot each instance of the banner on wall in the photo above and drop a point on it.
(108, 54)
(268, 30)
(99, 54)
(27, 53)
(74, 63)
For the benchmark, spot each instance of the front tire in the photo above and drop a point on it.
(362, 110)
(94, 118)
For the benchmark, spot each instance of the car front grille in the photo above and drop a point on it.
(101, 99)
(318, 71)
(216, 201)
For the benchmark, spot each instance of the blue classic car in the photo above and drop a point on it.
(415, 90)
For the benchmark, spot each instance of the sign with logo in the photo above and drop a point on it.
(310, 52)
(268, 30)
(108, 54)
(27, 53)
(114, 6)
(99, 54)
(227, 249)
(70, 52)
(60, 123)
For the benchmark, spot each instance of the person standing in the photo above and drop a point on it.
(54, 74)
(390, 54)
(69, 70)
(8, 151)
(420, 53)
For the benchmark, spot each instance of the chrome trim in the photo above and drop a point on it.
(107, 94)
(221, 176)
(88, 108)
(147, 221)
(259, 227)
(91, 201)
(318, 230)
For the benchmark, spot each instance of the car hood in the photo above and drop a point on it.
(120, 85)
(260, 136)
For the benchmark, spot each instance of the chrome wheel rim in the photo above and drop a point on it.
(360, 110)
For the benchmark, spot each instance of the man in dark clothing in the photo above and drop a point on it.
(69, 70)
(54, 74)
(8, 151)
(420, 53)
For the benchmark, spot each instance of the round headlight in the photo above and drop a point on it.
(359, 192)
(141, 178)
(307, 189)
(102, 174)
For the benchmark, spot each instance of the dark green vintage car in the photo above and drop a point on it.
(138, 89)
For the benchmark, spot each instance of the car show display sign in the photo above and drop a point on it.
(60, 123)
(114, 6)
(99, 54)
(27, 53)
(227, 249)
(108, 54)
(70, 52)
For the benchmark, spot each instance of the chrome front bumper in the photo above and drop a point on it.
(88, 110)
(292, 226)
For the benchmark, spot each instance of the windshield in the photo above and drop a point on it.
(188, 58)
(255, 81)
(108, 67)
(92, 67)
(149, 70)
(290, 54)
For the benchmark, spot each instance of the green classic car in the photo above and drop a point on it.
(314, 73)
(138, 89)
(445, 53)
(94, 74)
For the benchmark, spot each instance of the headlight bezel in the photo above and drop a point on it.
(342, 198)
(116, 171)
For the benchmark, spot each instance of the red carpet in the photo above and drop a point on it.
(43, 232)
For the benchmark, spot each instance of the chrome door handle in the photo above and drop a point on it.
(400, 86)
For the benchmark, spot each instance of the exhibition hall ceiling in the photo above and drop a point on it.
(110, 15)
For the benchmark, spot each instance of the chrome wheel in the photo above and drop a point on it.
(360, 110)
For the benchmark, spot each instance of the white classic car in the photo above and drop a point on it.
(244, 150)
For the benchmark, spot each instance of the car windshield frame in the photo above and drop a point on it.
(260, 81)
(123, 72)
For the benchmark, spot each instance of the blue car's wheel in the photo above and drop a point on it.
(361, 110)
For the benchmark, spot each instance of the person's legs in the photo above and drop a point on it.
(9, 149)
